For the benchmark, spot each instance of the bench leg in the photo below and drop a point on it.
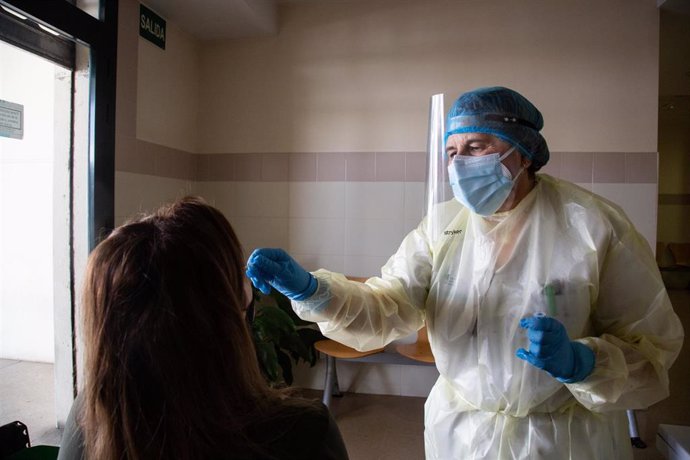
(635, 439)
(336, 388)
(330, 386)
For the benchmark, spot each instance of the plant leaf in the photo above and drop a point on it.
(286, 365)
(271, 323)
(268, 360)
(297, 349)
(277, 339)
(285, 304)
(309, 337)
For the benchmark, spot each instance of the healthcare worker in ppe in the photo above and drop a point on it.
(545, 309)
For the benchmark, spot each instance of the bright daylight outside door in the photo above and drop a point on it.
(42, 194)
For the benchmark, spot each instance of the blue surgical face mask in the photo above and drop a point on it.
(481, 183)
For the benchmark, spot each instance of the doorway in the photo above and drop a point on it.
(57, 83)
(36, 240)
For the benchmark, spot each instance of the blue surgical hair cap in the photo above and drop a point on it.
(503, 113)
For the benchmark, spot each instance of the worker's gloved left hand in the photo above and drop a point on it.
(550, 349)
(268, 267)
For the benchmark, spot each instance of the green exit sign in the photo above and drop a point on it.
(151, 26)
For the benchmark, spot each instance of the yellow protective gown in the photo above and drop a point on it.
(474, 282)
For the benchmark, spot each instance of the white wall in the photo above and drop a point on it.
(356, 76)
(140, 193)
(168, 91)
(26, 210)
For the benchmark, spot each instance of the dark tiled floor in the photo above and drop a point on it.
(374, 427)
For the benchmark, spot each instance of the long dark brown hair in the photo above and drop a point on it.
(171, 370)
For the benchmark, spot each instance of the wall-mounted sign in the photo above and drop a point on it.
(11, 120)
(151, 26)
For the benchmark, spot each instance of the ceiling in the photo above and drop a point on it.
(220, 19)
(678, 6)
(223, 19)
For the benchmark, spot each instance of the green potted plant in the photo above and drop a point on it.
(281, 337)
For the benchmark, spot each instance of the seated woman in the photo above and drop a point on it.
(170, 369)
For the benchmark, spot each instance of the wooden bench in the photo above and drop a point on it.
(418, 353)
(406, 354)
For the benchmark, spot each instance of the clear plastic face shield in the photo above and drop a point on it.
(437, 190)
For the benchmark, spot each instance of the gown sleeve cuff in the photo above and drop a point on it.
(312, 308)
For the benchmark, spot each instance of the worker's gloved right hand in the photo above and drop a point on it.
(268, 267)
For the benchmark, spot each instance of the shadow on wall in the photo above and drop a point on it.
(674, 263)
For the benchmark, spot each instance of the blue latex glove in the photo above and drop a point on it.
(550, 349)
(268, 267)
